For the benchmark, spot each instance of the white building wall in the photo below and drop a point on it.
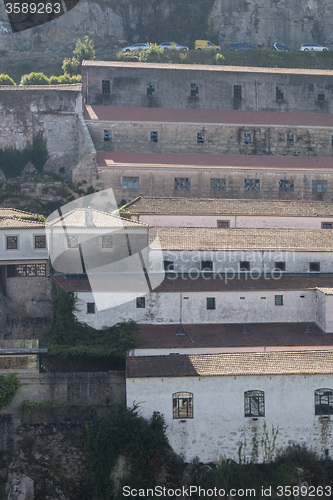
(229, 260)
(235, 221)
(191, 308)
(329, 312)
(26, 245)
(219, 427)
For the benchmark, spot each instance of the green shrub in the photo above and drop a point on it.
(35, 79)
(6, 80)
(8, 386)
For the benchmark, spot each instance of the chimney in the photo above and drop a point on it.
(89, 217)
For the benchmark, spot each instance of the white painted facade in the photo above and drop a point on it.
(25, 245)
(191, 308)
(235, 221)
(219, 427)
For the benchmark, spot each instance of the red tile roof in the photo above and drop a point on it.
(208, 116)
(160, 160)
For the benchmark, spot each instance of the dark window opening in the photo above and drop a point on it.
(26, 270)
(252, 184)
(223, 224)
(279, 94)
(40, 241)
(90, 307)
(278, 300)
(319, 186)
(244, 265)
(324, 402)
(154, 136)
(182, 183)
(182, 403)
(130, 182)
(200, 137)
(314, 266)
(286, 185)
(247, 138)
(206, 265)
(12, 242)
(281, 266)
(237, 92)
(210, 303)
(106, 88)
(168, 265)
(107, 135)
(194, 90)
(150, 88)
(321, 95)
(254, 404)
(327, 225)
(290, 139)
(140, 302)
(217, 185)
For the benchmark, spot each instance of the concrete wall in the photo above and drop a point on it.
(235, 221)
(219, 427)
(218, 139)
(160, 181)
(190, 308)
(128, 87)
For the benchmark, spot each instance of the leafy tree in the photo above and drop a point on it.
(35, 79)
(8, 386)
(6, 80)
(70, 66)
(64, 79)
(84, 50)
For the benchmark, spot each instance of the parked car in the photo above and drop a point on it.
(136, 46)
(172, 46)
(242, 46)
(306, 47)
(205, 45)
(281, 47)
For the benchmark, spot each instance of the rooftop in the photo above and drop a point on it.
(208, 116)
(232, 364)
(202, 238)
(90, 217)
(42, 88)
(194, 161)
(221, 206)
(206, 67)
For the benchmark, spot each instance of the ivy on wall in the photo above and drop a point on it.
(8, 386)
(13, 160)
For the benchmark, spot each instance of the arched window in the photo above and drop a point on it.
(182, 405)
(254, 403)
(324, 402)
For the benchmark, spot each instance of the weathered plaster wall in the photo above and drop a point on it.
(219, 427)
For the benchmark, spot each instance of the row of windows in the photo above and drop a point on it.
(200, 137)
(254, 403)
(26, 270)
(105, 241)
(193, 90)
(244, 265)
(184, 184)
(225, 224)
(12, 242)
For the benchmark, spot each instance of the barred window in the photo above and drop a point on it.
(237, 92)
(107, 136)
(254, 403)
(26, 270)
(130, 182)
(140, 302)
(286, 185)
(72, 241)
(201, 137)
(319, 186)
(90, 307)
(217, 184)
(182, 183)
(40, 241)
(321, 95)
(150, 88)
(182, 404)
(12, 242)
(194, 90)
(279, 93)
(247, 138)
(210, 303)
(252, 184)
(290, 139)
(323, 402)
(154, 136)
(106, 88)
(278, 300)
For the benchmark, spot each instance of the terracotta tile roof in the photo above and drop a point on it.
(17, 88)
(80, 283)
(222, 206)
(77, 218)
(208, 116)
(326, 291)
(9, 212)
(206, 67)
(10, 223)
(275, 335)
(202, 238)
(189, 161)
(232, 364)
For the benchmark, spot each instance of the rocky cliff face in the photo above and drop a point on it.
(107, 21)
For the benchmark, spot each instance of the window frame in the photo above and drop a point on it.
(201, 137)
(257, 396)
(106, 87)
(150, 88)
(91, 308)
(107, 135)
(278, 300)
(322, 184)
(182, 183)
(140, 303)
(72, 241)
(290, 140)
(319, 405)
(312, 267)
(168, 265)
(222, 224)
(210, 303)
(130, 182)
(217, 184)
(154, 136)
(14, 245)
(247, 138)
(237, 92)
(43, 236)
(251, 184)
(327, 223)
(194, 90)
(24, 270)
(188, 406)
(286, 185)
(279, 93)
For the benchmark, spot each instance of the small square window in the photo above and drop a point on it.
(223, 224)
(154, 136)
(206, 265)
(210, 303)
(12, 242)
(140, 302)
(150, 88)
(278, 300)
(107, 135)
(200, 137)
(279, 93)
(106, 241)
(252, 185)
(40, 241)
(321, 95)
(319, 186)
(194, 90)
(247, 138)
(237, 92)
(286, 185)
(90, 307)
(280, 266)
(72, 241)
(182, 183)
(130, 182)
(314, 266)
(217, 185)
(244, 265)
(290, 139)
(106, 88)
(168, 265)
(327, 225)
(254, 404)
